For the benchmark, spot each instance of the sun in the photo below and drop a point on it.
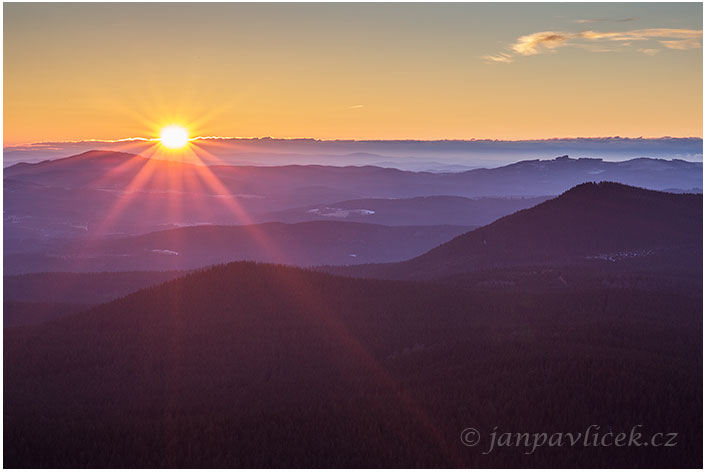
(174, 137)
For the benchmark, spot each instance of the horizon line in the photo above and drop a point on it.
(335, 140)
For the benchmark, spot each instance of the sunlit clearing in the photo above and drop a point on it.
(174, 137)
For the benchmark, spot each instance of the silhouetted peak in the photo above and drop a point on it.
(613, 197)
(563, 158)
(598, 189)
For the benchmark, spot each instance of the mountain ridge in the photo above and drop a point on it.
(595, 221)
(102, 154)
(304, 244)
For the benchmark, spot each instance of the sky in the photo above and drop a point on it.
(352, 71)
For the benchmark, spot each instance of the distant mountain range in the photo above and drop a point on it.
(99, 194)
(110, 170)
(435, 156)
(97, 197)
(302, 244)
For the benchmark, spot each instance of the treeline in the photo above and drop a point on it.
(252, 365)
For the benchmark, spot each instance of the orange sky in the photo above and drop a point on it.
(363, 71)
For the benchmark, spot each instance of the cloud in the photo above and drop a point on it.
(642, 34)
(356, 106)
(603, 20)
(681, 44)
(599, 41)
(535, 43)
(502, 57)
(592, 20)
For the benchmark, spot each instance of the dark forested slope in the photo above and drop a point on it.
(251, 365)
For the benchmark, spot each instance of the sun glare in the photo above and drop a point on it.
(174, 137)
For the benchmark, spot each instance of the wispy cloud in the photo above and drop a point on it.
(606, 20)
(592, 20)
(356, 106)
(681, 44)
(502, 57)
(598, 41)
(641, 34)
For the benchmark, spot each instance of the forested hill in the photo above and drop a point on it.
(251, 365)
(605, 223)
